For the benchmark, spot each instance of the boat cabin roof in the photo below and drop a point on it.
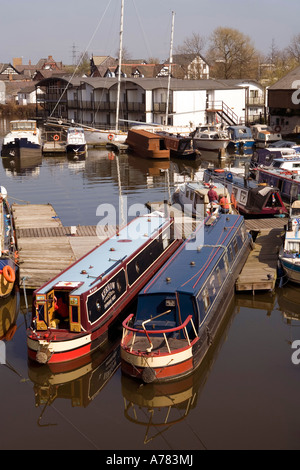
(196, 259)
(99, 263)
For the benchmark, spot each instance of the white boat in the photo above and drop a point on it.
(289, 254)
(289, 164)
(76, 142)
(210, 138)
(23, 135)
(264, 135)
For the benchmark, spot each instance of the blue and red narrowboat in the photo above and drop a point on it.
(181, 309)
(73, 312)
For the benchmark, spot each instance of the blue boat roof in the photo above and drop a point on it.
(228, 178)
(102, 260)
(194, 261)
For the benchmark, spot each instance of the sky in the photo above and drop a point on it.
(35, 29)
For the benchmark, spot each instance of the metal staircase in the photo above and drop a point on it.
(223, 111)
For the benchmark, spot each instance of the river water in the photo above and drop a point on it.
(244, 396)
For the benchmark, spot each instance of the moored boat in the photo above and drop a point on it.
(180, 146)
(24, 134)
(287, 182)
(264, 135)
(147, 144)
(240, 137)
(193, 198)
(250, 198)
(289, 255)
(72, 312)
(181, 309)
(210, 138)
(76, 142)
(9, 255)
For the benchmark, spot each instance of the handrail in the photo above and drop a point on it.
(162, 332)
(153, 332)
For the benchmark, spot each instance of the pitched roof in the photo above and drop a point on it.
(289, 82)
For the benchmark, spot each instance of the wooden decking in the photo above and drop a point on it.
(46, 247)
(260, 270)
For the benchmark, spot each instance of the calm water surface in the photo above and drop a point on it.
(245, 395)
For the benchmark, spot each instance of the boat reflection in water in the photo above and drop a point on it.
(160, 405)
(9, 310)
(80, 384)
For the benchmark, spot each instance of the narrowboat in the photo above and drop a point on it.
(180, 311)
(147, 144)
(9, 254)
(210, 138)
(180, 146)
(24, 134)
(289, 255)
(71, 313)
(193, 198)
(287, 182)
(76, 142)
(247, 196)
(240, 137)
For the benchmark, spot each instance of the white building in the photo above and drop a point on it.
(93, 101)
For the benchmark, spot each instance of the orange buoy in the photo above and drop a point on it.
(56, 137)
(9, 273)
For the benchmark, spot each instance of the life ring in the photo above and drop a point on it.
(219, 170)
(278, 129)
(9, 273)
(56, 137)
(110, 137)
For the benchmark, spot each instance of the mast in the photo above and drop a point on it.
(120, 65)
(170, 67)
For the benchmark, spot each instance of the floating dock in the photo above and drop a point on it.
(46, 247)
(260, 270)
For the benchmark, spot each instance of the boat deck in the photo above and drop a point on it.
(142, 344)
(46, 247)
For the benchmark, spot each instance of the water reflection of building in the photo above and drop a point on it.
(159, 406)
(79, 384)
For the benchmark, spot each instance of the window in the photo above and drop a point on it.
(206, 299)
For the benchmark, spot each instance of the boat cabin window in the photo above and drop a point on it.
(293, 247)
(206, 299)
(23, 126)
(226, 263)
(218, 274)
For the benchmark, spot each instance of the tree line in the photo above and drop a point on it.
(232, 55)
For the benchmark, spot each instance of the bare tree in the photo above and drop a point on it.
(294, 48)
(192, 45)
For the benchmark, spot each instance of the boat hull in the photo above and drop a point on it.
(15, 148)
(291, 270)
(209, 144)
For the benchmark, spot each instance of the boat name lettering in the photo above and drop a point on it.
(107, 289)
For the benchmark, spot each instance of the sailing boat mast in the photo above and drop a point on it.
(120, 65)
(170, 67)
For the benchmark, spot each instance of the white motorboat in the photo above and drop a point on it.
(76, 142)
(210, 138)
(23, 135)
